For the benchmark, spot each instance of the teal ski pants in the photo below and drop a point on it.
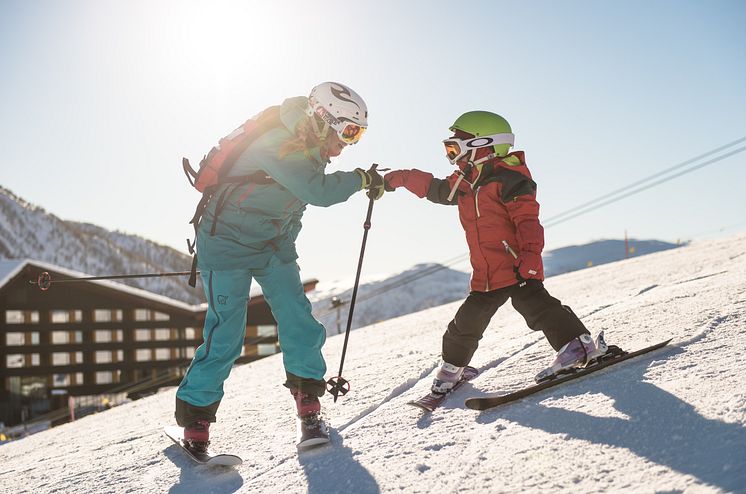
(301, 335)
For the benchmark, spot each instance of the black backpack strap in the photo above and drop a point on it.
(219, 206)
(190, 172)
(193, 272)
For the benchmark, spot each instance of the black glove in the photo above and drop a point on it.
(372, 182)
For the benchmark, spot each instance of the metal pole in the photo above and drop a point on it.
(337, 384)
(44, 281)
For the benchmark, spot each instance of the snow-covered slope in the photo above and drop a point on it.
(673, 421)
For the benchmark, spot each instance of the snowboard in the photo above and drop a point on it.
(310, 432)
(176, 434)
(431, 401)
(607, 360)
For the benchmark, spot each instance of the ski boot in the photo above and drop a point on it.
(576, 354)
(311, 429)
(197, 436)
(446, 378)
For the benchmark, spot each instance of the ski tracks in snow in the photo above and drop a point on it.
(410, 383)
(394, 393)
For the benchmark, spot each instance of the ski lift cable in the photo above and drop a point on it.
(642, 181)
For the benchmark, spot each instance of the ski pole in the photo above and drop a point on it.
(44, 281)
(339, 385)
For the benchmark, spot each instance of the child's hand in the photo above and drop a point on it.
(395, 179)
(528, 265)
(416, 181)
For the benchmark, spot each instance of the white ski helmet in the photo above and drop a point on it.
(340, 108)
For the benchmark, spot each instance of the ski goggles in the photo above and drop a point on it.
(348, 132)
(457, 148)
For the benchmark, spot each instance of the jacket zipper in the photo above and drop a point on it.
(476, 227)
(476, 201)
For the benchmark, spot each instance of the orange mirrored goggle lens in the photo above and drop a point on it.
(352, 133)
(452, 149)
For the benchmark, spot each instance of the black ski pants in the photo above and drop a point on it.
(541, 311)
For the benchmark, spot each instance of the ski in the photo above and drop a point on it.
(431, 401)
(176, 434)
(493, 400)
(311, 432)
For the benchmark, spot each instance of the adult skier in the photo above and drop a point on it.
(250, 232)
(497, 206)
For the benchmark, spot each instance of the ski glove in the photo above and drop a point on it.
(528, 266)
(416, 181)
(373, 182)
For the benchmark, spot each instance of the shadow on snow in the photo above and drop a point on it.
(334, 469)
(201, 478)
(661, 427)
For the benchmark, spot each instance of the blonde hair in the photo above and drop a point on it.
(304, 140)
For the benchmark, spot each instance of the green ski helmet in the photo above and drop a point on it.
(492, 129)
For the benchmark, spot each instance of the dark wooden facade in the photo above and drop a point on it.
(88, 338)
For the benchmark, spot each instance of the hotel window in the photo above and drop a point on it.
(60, 358)
(65, 316)
(104, 377)
(13, 339)
(190, 333)
(102, 336)
(16, 339)
(189, 352)
(107, 315)
(160, 316)
(162, 334)
(14, 361)
(142, 335)
(163, 354)
(103, 357)
(143, 355)
(60, 337)
(21, 317)
(61, 380)
(266, 330)
(266, 349)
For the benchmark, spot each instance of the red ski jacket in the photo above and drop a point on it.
(496, 202)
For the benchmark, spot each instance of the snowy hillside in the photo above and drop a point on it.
(420, 287)
(574, 257)
(28, 231)
(672, 421)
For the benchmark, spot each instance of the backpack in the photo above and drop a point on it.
(215, 167)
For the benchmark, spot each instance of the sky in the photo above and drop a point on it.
(100, 100)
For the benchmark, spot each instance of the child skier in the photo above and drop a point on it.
(496, 199)
(250, 232)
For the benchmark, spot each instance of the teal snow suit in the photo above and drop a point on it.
(254, 237)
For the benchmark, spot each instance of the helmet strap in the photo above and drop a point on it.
(320, 133)
(455, 185)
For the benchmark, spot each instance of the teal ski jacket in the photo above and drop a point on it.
(259, 221)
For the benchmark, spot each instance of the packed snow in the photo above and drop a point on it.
(671, 421)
